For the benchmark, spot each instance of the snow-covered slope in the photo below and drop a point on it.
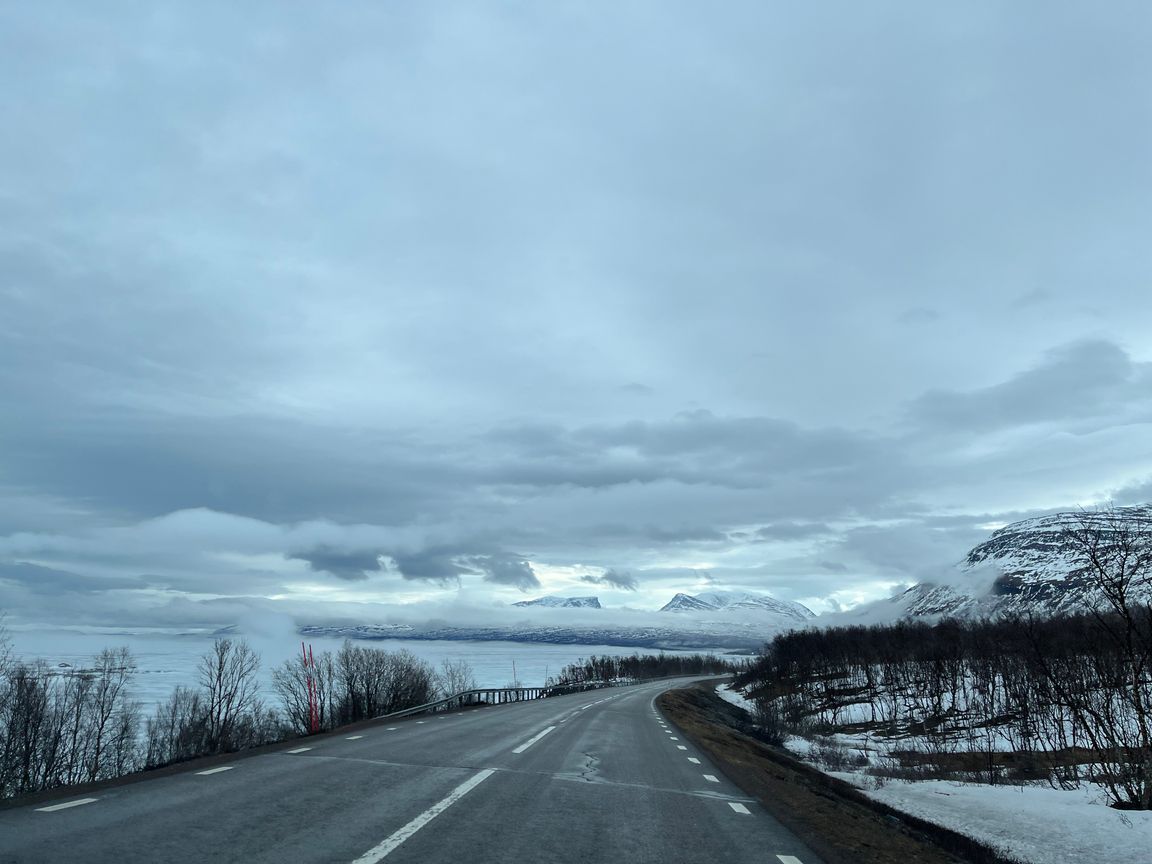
(1041, 563)
(714, 601)
(686, 603)
(563, 602)
(1034, 566)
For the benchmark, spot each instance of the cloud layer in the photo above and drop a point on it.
(341, 310)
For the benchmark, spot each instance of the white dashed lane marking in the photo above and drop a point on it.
(214, 771)
(788, 859)
(711, 778)
(299, 750)
(533, 740)
(391, 728)
(54, 807)
(353, 737)
(389, 845)
(693, 760)
(739, 808)
(681, 747)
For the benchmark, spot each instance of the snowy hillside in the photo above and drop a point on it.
(1039, 560)
(713, 601)
(563, 602)
(1031, 566)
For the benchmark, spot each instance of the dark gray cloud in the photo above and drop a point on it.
(613, 579)
(438, 565)
(791, 531)
(354, 565)
(52, 582)
(505, 569)
(1082, 381)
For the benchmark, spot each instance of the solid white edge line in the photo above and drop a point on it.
(711, 778)
(533, 740)
(299, 750)
(788, 859)
(214, 771)
(54, 807)
(388, 845)
(739, 808)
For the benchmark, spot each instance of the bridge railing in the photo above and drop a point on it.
(499, 696)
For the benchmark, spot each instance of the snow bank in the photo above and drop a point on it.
(1036, 824)
(735, 697)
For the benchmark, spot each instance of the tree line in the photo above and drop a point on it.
(639, 667)
(63, 726)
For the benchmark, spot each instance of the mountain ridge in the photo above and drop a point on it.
(1038, 564)
(551, 601)
(719, 601)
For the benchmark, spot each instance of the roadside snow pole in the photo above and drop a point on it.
(309, 677)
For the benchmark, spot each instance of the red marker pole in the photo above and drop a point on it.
(309, 664)
(315, 692)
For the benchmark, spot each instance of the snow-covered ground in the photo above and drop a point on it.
(1036, 824)
(735, 697)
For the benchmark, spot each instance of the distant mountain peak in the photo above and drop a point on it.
(715, 601)
(552, 602)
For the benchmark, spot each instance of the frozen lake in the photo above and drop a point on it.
(166, 660)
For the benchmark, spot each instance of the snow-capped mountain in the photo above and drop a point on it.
(714, 601)
(1042, 565)
(1038, 567)
(563, 602)
(686, 603)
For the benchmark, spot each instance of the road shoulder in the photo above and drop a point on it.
(835, 820)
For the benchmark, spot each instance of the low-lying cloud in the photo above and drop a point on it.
(613, 579)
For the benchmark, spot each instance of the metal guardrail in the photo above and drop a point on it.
(499, 696)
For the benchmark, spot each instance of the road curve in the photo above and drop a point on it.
(591, 777)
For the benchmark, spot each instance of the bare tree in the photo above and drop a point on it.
(228, 677)
(5, 643)
(110, 712)
(1113, 548)
(291, 683)
(177, 730)
(454, 676)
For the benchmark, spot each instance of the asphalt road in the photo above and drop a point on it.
(592, 777)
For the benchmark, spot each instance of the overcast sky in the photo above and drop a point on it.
(464, 303)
